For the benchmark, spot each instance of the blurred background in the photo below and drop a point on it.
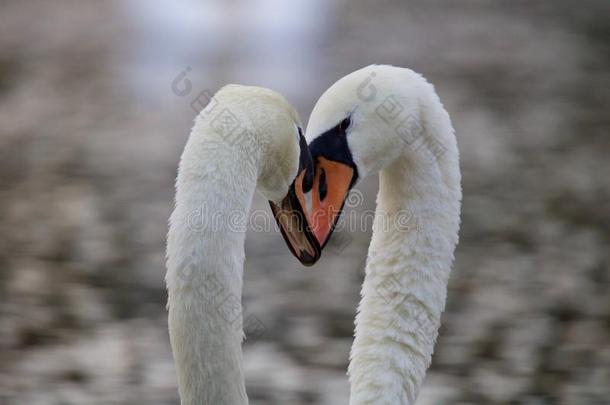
(92, 126)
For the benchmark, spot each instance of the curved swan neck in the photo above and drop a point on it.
(409, 260)
(205, 265)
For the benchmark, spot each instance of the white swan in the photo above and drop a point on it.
(247, 138)
(389, 120)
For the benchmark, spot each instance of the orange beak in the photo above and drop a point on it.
(335, 174)
(331, 184)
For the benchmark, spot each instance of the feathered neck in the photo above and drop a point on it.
(205, 256)
(403, 295)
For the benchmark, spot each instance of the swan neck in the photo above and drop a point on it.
(205, 257)
(404, 290)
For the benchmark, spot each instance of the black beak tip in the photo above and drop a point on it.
(308, 260)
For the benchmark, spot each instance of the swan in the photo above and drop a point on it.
(389, 120)
(246, 139)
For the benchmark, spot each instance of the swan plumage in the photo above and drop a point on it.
(246, 139)
(389, 120)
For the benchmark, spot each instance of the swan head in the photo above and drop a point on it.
(284, 165)
(352, 131)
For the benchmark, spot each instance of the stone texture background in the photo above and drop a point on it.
(91, 132)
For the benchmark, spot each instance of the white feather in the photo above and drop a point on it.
(416, 223)
(220, 169)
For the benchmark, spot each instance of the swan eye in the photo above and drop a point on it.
(345, 124)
